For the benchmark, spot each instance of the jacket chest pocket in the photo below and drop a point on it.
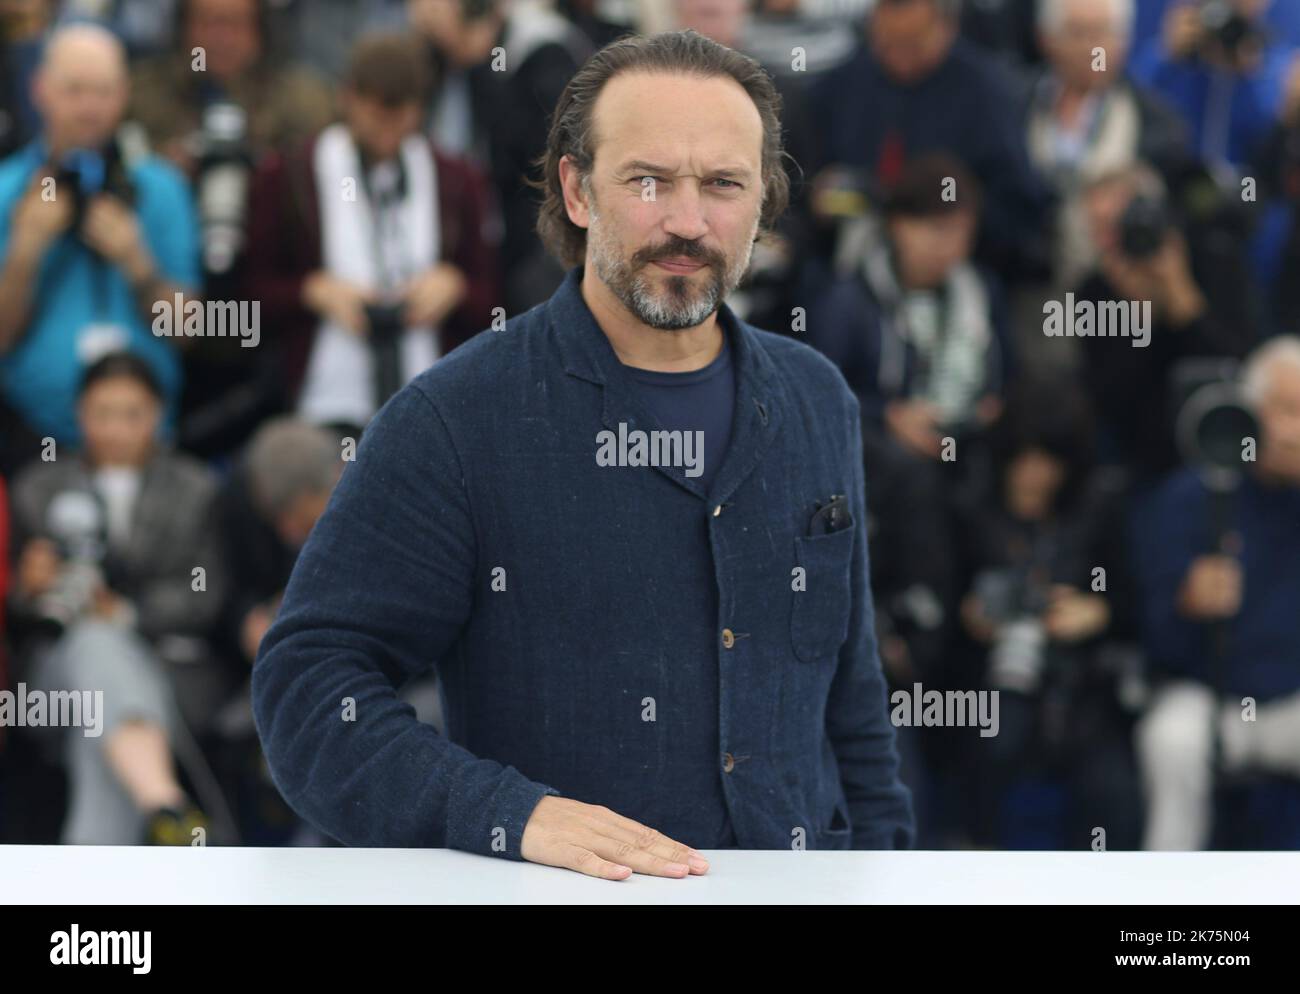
(819, 616)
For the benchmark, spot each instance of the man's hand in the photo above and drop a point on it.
(978, 624)
(1181, 31)
(1211, 591)
(594, 840)
(916, 424)
(111, 229)
(38, 567)
(434, 294)
(339, 301)
(253, 628)
(37, 222)
(109, 606)
(1291, 100)
(1165, 279)
(1073, 616)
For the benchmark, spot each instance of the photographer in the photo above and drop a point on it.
(369, 248)
(495, 111)
(1082, 122)
(1220, 66)
(265, 513)
(108, 546)
(1279, 171)
(90, 239)
(914, 325)
(281, 103)
(914, 87)
(1046, 630)
(1243, 583)
(24, 25)
(1201, 304)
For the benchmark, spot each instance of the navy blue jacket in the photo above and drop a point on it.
(610, 634)
(1175, 525)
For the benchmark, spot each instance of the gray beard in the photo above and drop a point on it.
(681, 305)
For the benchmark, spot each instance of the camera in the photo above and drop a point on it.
(87, 173)
(386, 322)
(1212, 422)
(1144, 226)
(1228, 28)
(1014, 599)
(221, 185)
(76, 524)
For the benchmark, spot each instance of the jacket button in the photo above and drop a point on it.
(728, 762)
(717, 510)
(728, 638)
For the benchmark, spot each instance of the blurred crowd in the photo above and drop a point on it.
(1103, 528)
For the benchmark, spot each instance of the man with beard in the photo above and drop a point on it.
(637, 662)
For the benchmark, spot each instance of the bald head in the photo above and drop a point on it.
(81, 88)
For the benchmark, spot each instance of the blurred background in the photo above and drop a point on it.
(1115, 549)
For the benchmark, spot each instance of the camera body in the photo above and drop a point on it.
(221, 185)
(1144, 226)
(76, 524)
(88, 173)
(1227, 28)
(385, 321)
(1014, 598)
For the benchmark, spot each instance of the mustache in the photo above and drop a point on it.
(679, 249)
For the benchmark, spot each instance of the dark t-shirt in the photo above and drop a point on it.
(700, 400)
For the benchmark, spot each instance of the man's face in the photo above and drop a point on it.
(1279, 417)
(294, 524)
(673, 203)
(464, 42)
(1087, 25)
(910, 39)
(721, 20)
(228, 33)
(81, 92)
(929, 247)
(119, 420)
(378, 128)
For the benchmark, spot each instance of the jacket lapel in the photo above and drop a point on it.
(588, 355)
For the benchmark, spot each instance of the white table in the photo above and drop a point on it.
(127, 875)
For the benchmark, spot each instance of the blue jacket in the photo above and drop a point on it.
(1174, 526)
(609, 634)
(82, 306)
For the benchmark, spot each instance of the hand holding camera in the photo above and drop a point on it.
(38, 568)
(1159, 272)
(434, 294)
(1218, 31)
(1211, 591)
(339, 301)
(915, 423)
(1073, 616)
(38, 221)
(110, 228)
